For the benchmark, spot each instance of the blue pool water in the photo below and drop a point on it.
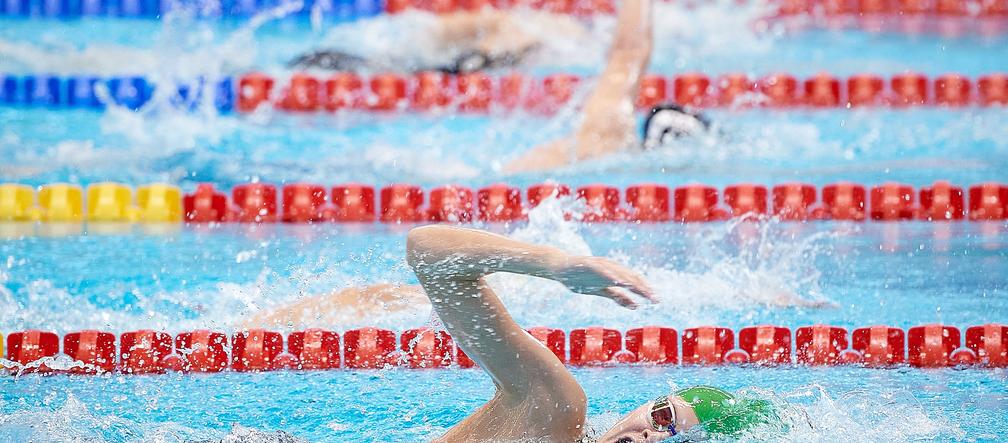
(405, 405)
(903, 274)
(963, 146)
(733, 275)
(119, 278)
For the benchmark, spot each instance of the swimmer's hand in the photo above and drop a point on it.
(604, 278)
(445, 256)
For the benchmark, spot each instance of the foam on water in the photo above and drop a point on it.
(75, 421)
(40, 304)
(414, 163)
(188, 53)
(877, 416)
(72, 421)
(712, 35)
(183, 48)
(730, 268)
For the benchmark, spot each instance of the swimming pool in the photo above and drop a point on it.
(177, 278)
(717, 278)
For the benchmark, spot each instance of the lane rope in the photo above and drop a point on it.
(349, 11)
(479, 93)
(150, 351)
(402, 203)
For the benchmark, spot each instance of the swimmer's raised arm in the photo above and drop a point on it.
(607, 124)
(439, 253)
(536, 398)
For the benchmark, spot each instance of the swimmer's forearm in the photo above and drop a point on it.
(446, 252)
(633, 30)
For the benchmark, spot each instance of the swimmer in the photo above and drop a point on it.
(466, 41)
(608, 124)
(537, 398)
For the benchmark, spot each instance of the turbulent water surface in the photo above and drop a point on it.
(117, 278)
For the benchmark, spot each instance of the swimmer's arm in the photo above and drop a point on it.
(634, 39)
(608, 124)
(327, 308)
(293, 314)
(491, 31)
(464, 27)
(451, 264)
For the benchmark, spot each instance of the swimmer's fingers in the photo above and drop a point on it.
(599, 276)
(617, 295)
(633, 282)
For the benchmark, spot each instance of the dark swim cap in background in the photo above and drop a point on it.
(723, 415)
(670, 121)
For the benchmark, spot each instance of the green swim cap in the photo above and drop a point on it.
(722, 415)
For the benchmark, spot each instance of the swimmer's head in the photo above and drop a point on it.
(640, 426)
(668, 122)
(718, 412)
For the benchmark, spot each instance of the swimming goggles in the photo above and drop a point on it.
(663, 415)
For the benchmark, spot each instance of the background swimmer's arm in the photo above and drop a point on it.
(463, 27)
(451, 263)
(608, 123)
(493, 32)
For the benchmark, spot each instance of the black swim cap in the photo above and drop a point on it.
(331, 60)
(472, 61)
(670, 121)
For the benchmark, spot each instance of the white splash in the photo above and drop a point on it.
(711, 36)
(550, 224)
(729, 267)
(882, 415)
(75, 421)
(183, 47)
(413, 161)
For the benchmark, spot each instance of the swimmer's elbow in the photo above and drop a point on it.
(424, 246)
(417, 241)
